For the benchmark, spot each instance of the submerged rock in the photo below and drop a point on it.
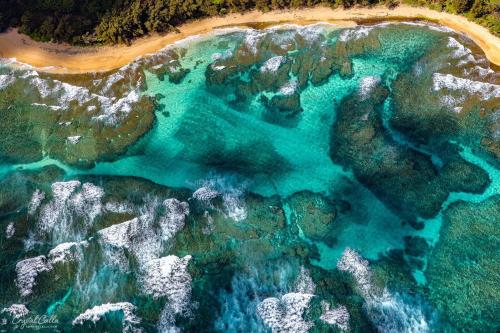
(315, 215)
(267, 63)
(462, 267)
(395, 172)
(78, 122)
(461, 106)
(282, 108)
(293, 143)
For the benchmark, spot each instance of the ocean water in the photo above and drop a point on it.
(292, 179)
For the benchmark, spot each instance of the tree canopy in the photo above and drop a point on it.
(120, 21)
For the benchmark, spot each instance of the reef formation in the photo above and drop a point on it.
(293, 179)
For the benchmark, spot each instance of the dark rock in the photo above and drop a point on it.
(416, 246)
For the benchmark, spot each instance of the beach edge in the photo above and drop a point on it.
(67, 59)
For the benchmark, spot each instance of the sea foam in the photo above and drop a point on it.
(16, 310)
(450, 82)
(71, 202)
(338, 316)
(113, 108)
(272, 64)
(389, 312)
(355, 33)
(285, 314)
(144, 236)
(70, 251)
(27, 270)
(94, 314)
(366, 86)
(6, 80)
(10, 230)
(168, 277)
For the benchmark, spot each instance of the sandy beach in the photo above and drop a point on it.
(63, 58)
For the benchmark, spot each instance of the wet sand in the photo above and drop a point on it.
(63, 58)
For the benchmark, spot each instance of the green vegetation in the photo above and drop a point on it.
(120, 21)
(483, 12)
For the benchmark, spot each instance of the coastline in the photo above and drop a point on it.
(64, 58)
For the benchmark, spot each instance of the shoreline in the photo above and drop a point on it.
(67, 59)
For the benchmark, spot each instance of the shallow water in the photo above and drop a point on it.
(222, 180)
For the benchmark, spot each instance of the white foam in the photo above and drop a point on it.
(352, 262)
(119, 235)
(234, 206)
(168, 277)
(272, 64)
(482, 72)
(63, 94)
(5, 81)
(36, 199)
(429, 25)
(97, 312)
(10, 230)
(185, 42)
(459, 50)
(16, 310)
(232, 196)
(115, 239)
(140, 235)
(289, 88)
(74, 139)
(52, 107)
(27, 270)
(450, 101)
(70, 200)
(119, 207)
(304, 283)
(209, 228)
(115, 111)
(87, 202)
(222, 56)
(283, 35)
(111, 80)
(337, 317)
(252, 38)
(166, 322)
(31, 241)
(355, 33)
(390, 313)
(313, 32)
(205, 194)
(174, 218)
(366, 86)
(284, 315)
(450, 82)
(65, 252)
(218, 31)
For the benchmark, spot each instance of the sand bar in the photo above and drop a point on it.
(63, 58)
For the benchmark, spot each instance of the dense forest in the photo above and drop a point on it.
(120, 21)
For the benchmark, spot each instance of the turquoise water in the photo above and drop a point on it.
(288, 146)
